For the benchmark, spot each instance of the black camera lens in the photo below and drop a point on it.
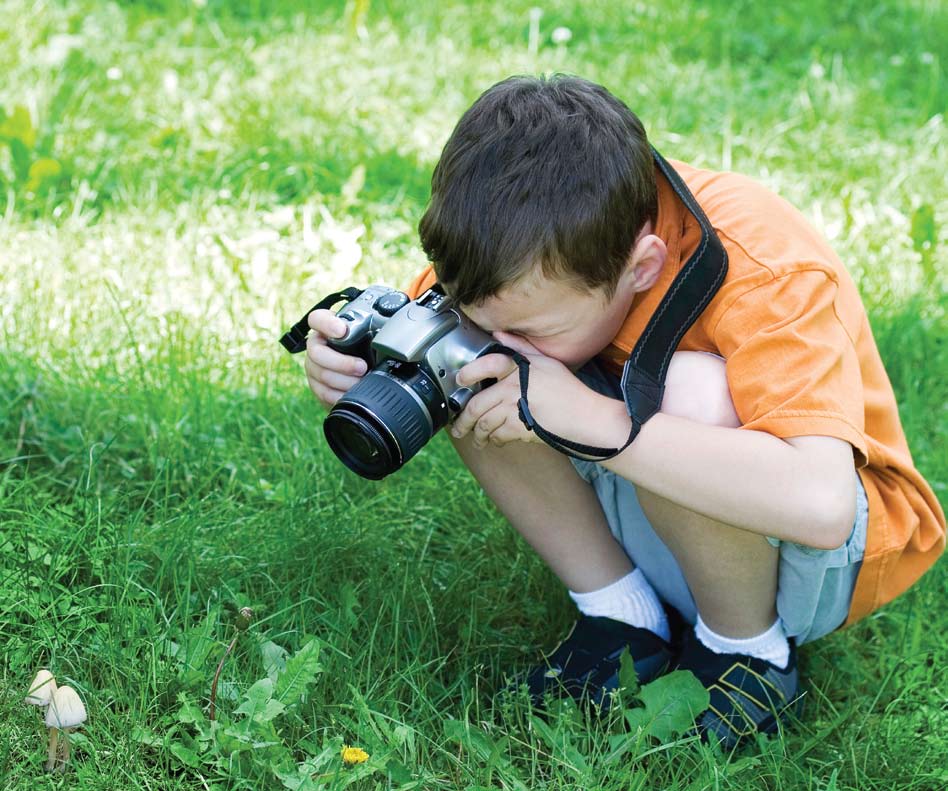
(360, 442)
(385, 419)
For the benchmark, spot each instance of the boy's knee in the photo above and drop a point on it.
(696, 389)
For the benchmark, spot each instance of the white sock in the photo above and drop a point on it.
(771, 646)
(629, 599)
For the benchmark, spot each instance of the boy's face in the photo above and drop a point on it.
(561, 322)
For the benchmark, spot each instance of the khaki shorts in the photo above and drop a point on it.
(814, 586)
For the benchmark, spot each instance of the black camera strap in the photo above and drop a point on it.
(643, 377)
(294, 339)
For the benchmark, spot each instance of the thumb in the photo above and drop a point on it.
(516, 343)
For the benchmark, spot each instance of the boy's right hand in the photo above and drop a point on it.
(329, 373)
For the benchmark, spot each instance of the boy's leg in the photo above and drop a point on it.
(732, 573)
(559, 515)
(554, 509)
(739, 648)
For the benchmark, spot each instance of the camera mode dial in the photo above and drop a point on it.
(389, 304)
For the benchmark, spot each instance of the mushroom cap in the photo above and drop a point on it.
(65, 709)
(42, 688)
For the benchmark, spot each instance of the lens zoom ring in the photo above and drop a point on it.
(395, 408)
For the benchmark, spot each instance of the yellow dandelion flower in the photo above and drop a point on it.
(354, 755)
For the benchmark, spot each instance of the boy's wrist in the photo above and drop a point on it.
(604, 423)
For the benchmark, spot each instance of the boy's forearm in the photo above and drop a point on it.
(748, 479)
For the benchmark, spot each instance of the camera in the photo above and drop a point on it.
(414, 350)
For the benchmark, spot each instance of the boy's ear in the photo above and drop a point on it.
(646, 262)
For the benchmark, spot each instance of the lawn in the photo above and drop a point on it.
(180, 180)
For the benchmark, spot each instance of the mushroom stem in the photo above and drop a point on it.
(51, 754)
(64, 746)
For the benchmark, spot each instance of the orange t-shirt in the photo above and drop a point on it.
(800, 357)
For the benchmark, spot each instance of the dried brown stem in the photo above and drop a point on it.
(217, 674)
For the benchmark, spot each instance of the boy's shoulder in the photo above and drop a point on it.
(759, 228)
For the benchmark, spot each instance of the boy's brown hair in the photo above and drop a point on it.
(551, 171)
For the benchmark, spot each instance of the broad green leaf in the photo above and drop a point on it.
(301, 671)
(198, 641)
(187, 756)
(628, 678)
(145, 736)
(258, 703)
(188, 713)
(671, 703)
(475, 741)
(300, 779)
(260, 692)
(398, 773)
(637, 718)
(274, 658)
(19, 126)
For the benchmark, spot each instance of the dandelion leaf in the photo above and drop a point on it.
(188, 713)
(274, 659)
(671, 703)
(259, 704)
(628, 678)
(187, 756)
(301, 671)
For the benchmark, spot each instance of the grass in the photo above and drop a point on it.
(161, 464)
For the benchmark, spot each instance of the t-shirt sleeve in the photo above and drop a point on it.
(421, 283)
(792, 367)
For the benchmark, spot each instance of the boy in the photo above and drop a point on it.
(771, 500)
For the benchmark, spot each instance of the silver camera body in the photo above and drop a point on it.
(414, 350)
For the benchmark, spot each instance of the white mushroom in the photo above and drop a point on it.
(65, 713)
(42, 688)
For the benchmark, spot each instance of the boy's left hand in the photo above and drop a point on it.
(558, 401)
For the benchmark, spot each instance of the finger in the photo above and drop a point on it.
(491, 366)
(513, 430)
(338, 381)
(516, 343)
(486, 424)
(506, 433)
(321, 356)
(332, 380)
(477, 406)
(327, 396)
(327, 323)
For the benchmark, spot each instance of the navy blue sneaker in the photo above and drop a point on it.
(748, 695)
(585, 665)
